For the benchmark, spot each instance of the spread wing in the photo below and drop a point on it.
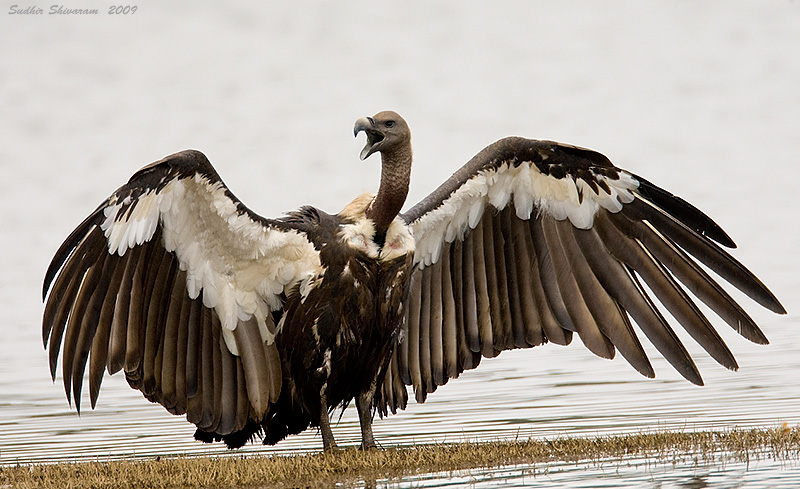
(175, 281)
(534, 241)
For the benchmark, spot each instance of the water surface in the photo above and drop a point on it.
(702, 99)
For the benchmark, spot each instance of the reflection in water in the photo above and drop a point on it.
(652, 473)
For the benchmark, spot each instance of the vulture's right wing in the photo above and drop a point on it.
(175, 281)
(532, 241)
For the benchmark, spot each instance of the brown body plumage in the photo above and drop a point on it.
(249, 325)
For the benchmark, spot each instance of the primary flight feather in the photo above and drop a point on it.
(261, 327)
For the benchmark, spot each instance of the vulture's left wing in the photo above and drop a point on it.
(532, 241)
(175, 281)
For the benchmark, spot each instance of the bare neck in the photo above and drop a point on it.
(395, 176)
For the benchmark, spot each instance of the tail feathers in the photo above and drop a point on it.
(270, 432)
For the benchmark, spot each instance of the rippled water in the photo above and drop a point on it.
(618, 473)
(700, 98)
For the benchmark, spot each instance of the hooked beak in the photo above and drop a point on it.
(374, 137)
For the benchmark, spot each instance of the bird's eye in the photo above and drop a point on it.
(389, 123)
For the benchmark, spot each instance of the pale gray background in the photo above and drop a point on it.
(702, 98)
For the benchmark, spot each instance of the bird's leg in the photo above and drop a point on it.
(328, 443)
(365, 413)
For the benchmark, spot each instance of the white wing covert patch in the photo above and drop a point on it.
(560, 198)
(240, 266)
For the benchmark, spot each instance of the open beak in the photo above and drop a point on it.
(374, 137)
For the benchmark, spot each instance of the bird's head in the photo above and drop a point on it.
(387, 132)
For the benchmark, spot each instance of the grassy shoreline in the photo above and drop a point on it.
(351, 466)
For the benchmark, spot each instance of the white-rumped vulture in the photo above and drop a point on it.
(262, 327)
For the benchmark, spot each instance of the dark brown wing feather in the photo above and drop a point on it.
(134, 312)
(516, 282)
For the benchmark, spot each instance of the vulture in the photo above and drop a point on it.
(259, 327)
